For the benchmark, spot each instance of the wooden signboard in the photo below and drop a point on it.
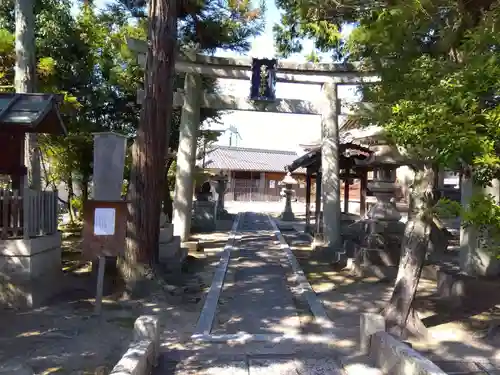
(104, 228)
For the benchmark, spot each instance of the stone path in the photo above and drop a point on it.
(252, 320)
(255, 297)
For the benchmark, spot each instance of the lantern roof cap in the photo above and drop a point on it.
(289, 180)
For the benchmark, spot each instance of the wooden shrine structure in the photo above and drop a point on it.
(349, 153)
(25, 212)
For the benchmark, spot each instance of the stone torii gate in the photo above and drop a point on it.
(192, 99)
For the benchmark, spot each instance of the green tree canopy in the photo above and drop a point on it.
(438, 98)
(438, 66)
(84, 56)
(211, 24)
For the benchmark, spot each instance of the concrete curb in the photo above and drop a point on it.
(390, 355)
(304, 287)
(142, 353)
(394, 357)
(207, 314)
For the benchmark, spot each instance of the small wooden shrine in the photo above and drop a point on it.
(21, 114)
(349, 153)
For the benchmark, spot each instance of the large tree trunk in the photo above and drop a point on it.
(25, 79)
(167, 197)
(149, 149)
(399, 314)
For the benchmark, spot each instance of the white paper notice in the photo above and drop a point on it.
(104, 221)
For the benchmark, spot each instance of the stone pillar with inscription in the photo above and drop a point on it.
(475, 257)
(109, 165)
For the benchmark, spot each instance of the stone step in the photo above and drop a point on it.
(251, 365)
(172, 255)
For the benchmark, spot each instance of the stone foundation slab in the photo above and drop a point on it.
(31, 258)
(30, 270)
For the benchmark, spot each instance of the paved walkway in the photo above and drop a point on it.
(260, 299)
(255, 297)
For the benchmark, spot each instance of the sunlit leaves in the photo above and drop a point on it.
(212, 24)
(305, 19)
(440, 108)
(6, 57)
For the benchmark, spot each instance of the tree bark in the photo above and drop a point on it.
(167, 197)
(25, 79)
(399, 314)
(85, 190)
(148, 151)
(71, 194)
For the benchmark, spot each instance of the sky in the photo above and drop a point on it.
(272, 130)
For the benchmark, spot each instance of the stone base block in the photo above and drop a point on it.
(172, 255)
(287, 216)
(166, 233)
(192, 246)
(203, 219)
(369, 325)
(30, 258)
(326, 253)
(371, 270)
(460, 291)
(169, 249)
(224, 215)
(479, 262)
(30, 293)
(30, 270)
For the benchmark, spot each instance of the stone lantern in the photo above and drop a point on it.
(384, 188)
(220, 182)
(288, 181)
(384, 217)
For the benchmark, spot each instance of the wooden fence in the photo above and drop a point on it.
(256, 191)
(31, 214)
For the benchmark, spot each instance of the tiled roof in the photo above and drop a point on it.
(249, 159)
(34, 113)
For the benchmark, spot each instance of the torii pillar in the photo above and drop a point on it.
(186, 157)
(330, 169)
